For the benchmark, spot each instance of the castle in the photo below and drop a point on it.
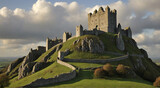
(99, 22)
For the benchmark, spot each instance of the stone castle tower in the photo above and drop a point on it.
(66, 36)
(104, 20)
(79, 31)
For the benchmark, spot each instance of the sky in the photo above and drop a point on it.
(25, 24)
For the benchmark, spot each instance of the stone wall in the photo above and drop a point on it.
(66, 64)
(81, 32)
(113, 53)
(60, 78)
(52, 42)
(66, 36)
(99, 61)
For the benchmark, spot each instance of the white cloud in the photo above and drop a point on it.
(21, 29)
(150, 41)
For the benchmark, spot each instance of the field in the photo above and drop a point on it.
(85, 80)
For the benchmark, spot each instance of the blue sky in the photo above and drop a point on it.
(25, 24)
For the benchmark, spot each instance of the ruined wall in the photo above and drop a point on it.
(52, 42)
(105, 20)
(66, 36)
(81, 32)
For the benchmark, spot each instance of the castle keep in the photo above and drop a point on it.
(105, 20)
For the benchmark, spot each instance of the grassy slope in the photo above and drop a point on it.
(49, 72)
(85, 65)
(85, 80)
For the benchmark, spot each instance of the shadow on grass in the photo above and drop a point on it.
(88, 74)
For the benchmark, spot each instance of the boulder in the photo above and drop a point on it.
(120, 42)
(90, 45)
(96, 47)
(84, 44)
(39, 66)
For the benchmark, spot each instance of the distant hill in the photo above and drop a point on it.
(8, 58)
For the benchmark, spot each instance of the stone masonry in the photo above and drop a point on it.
(106, 20)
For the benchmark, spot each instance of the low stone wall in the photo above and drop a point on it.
(136, 55)
(66, 64)
(102, 61)
(113, 53)
(60, 78)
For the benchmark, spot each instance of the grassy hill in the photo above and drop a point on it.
(85, 80)
(144, 67)
(49, 72)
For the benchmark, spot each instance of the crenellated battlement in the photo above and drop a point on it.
(106, 20)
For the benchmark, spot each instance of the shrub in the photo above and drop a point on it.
(121, 69)
(99, 73)
(109, 69)
(4, 80)
(157, 82)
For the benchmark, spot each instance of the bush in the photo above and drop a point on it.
(157, 82)
(99, 73)
(4, 80)
(121, 69)
(109, 69)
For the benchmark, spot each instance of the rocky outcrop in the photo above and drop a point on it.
(128, 32)
(39, 66)
(89, 45)
(131, 74)
(144, 53)
(14, 64)
(25, 70)
(120, 42)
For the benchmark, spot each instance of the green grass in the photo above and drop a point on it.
(109, 41)
(85, 80)
(88, 55)
(49, 72)
(85, 65)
